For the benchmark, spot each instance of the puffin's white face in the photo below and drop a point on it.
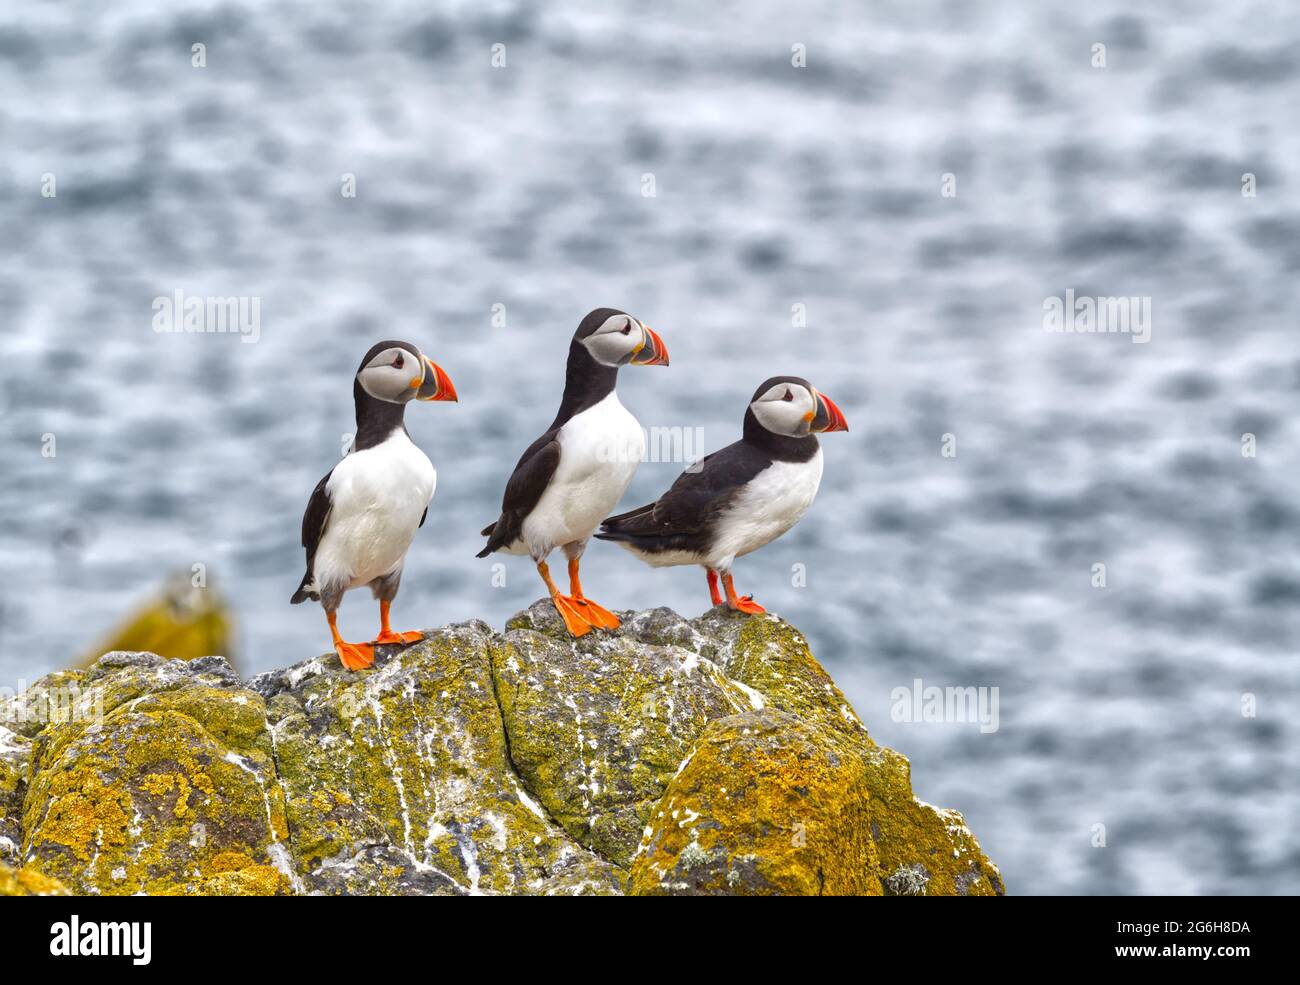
(796, 410)
(394, 374)
(786, 408)
(621, 339)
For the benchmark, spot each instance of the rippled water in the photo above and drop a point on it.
(774, 187)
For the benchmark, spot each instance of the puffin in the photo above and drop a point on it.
(569, 479)
(738, 499)
(363, 514)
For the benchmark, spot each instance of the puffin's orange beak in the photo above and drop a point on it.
(437, 384)
(653, 353)
(828, 416)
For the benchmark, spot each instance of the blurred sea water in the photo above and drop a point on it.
(775, 187)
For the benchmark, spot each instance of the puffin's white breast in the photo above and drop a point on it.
(600, 450)
(770, 504)
(377, 497)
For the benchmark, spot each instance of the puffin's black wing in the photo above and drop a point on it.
(529, 480)
(684, 514)
(313, 528)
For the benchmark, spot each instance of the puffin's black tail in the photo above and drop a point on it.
(304, 592)
(639, 520)
(615, 535)
(487, 532)
(646, 542)
(636, 527)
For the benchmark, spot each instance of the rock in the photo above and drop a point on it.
(705, 756)
(770, 803)
(399, 780)
(598, 730)
(28, 882)
(15, 756)
(159, 778)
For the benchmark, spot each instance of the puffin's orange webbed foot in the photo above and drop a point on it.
(388, 636)
(741, 603)
(746, 603)
(596, 614)
(573, 614)
(355, 656)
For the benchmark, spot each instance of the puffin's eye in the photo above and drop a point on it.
(627, 329)
(399, 362)
(788, 396)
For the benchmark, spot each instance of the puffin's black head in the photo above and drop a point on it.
(397, 372)
(615, 338)
(793, 407)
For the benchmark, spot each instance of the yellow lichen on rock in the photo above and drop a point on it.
(236, 874)
(770, 656)
(85, 817)
(143, 797)
(767, 804)
(773, 804)
(15, 761)
(27, 881)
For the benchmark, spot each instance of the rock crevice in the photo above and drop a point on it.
(528, 796)
(705, 756)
